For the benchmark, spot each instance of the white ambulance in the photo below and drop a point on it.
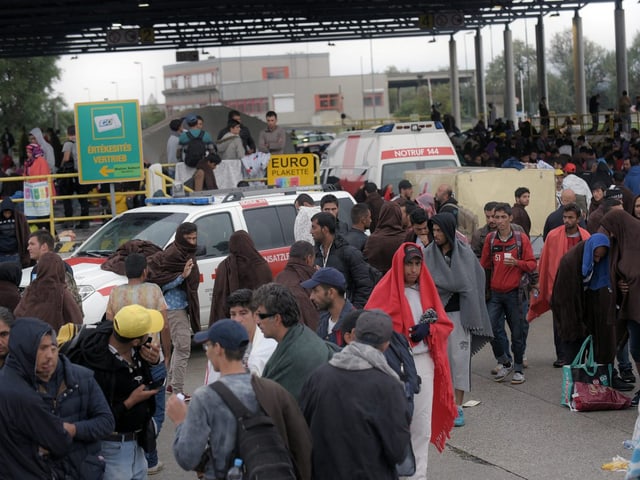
(383, 154)
(267, 215)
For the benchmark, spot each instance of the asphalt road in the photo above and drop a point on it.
(516, 432)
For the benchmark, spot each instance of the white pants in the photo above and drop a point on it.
(421, 422)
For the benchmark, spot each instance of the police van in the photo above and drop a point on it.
(383, 154)
(267, 215)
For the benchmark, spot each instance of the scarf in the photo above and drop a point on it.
(243, 268)
(389, 296)
(595, 275)
(33, 151)
(166, 265)
(115, 262)
(387, 237)
(465, 276)
(360, 356)
(48, 298)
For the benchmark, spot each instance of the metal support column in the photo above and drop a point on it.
(509, 79)
(481, 91)
(622, 75)
(578, 68)
(454, 81)
(541, 61)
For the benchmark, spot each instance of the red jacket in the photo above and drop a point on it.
(506, 278)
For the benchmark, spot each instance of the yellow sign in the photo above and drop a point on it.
(291, 170)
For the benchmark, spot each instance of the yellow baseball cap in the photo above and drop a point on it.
(134, 321)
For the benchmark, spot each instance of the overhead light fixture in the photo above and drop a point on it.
(433, 39)
(331, 44)
(143, 5)
(557, 14)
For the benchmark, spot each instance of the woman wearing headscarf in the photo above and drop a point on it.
(387, 237)
(36, 136)
(582, 301)
(407, 293)
(48, 297)
(10, 275)
(34, 165)
(243, 268)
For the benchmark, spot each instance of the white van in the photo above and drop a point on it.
(383, 154)
(267, 215)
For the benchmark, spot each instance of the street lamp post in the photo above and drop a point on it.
(117, 94)
(141, 81)
(155, 83)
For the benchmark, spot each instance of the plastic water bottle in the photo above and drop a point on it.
(235, 472)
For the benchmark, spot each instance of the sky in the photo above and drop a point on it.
(124, 76)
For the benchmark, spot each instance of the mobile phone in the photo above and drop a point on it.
(147, 342)
(156, 384)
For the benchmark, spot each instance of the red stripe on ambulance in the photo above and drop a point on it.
(416, 152)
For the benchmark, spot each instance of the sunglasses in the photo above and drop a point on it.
(264, 316)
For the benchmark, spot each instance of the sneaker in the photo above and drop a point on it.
(618, 384)
(157, 469)
(518, 378)
(627, 376)
(496, 369)
(503, 373)
(459, 421)
(636, 399)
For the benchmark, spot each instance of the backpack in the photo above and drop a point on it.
(400, 359)
(258, 442)
(72, 336)
(195, 149)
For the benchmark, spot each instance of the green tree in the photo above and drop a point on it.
(26, 94)
(597, 70)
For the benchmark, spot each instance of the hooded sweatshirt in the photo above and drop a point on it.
(14, 232)
(49, 154)
(26, 423)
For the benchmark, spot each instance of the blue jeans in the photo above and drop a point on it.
(158, 372)
(623, 357)
(507, 305)
(124, 460)
(10, 257)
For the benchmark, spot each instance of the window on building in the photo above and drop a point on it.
(250, 106)
(373, 99)
(272, 73)
(328, 101)
(284, 103)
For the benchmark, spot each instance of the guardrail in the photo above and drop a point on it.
(52, 219)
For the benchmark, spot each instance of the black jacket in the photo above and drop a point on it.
(370, 416)
(73, 394)
(26, 424)
(351, 263)
(115, 378)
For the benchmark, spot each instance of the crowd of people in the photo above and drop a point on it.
(394, 305)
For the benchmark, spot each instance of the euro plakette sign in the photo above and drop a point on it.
(109, 142)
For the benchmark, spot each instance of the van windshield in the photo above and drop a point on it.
(156, 227)
(394, 172)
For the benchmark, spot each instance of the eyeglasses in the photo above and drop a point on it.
(264, 316)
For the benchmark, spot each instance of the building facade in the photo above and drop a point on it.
(299, 87)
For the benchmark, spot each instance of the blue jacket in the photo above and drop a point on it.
(335, 335)
(75, 396)
(632, 180)
(26, 424)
